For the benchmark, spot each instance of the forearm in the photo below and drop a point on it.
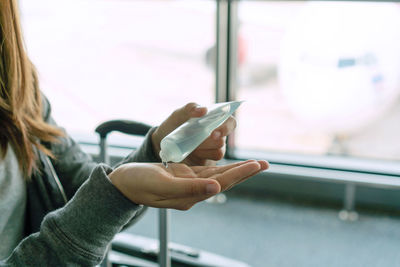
(79, 233)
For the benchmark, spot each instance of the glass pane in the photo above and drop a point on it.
(319, 78)
(101, 60)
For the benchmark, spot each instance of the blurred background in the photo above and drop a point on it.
(321, 85)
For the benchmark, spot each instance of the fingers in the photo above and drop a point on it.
(181, 186)
(181, 115)
(212, 154)
(229, 175)
(263, 164)
(186, 112)
(181, 170)
(217, 138)
(238, 174)
(183, 193)
(176, 187)
(214, 147)
(213, 143)
(226, 128)
(205, 171)
(177, 118)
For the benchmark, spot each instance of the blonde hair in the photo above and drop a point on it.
(21, 120)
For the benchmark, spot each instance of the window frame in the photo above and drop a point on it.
(227, 26)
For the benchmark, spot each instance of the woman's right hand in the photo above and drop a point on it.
(179, 186)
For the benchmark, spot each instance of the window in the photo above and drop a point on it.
(321, 81)
(101, 60)
(320, 90)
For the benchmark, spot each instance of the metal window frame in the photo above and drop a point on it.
(349, 172)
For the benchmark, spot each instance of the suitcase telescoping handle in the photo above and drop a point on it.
(123, 126)
(138, 129)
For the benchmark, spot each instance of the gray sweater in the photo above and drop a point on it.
(77, 233)
(12, 203)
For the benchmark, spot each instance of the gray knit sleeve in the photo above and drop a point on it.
(145, 153)
(79, 233)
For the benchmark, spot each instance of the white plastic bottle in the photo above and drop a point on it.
(177, 145)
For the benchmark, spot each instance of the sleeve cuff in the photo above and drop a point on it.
(145, 153)
(92, 217)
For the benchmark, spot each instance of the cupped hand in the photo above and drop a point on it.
(207, 153)
(179, 186)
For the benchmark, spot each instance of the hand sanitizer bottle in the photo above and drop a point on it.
(177, 145)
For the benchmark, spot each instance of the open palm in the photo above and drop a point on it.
(179, 186)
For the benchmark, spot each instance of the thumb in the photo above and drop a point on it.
(177, 118)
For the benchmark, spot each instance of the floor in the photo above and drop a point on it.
(271, 232)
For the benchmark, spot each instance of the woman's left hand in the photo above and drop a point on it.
(179, 186)
(208, 152)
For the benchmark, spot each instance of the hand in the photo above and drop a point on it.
(179, 186)
(211, 150)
